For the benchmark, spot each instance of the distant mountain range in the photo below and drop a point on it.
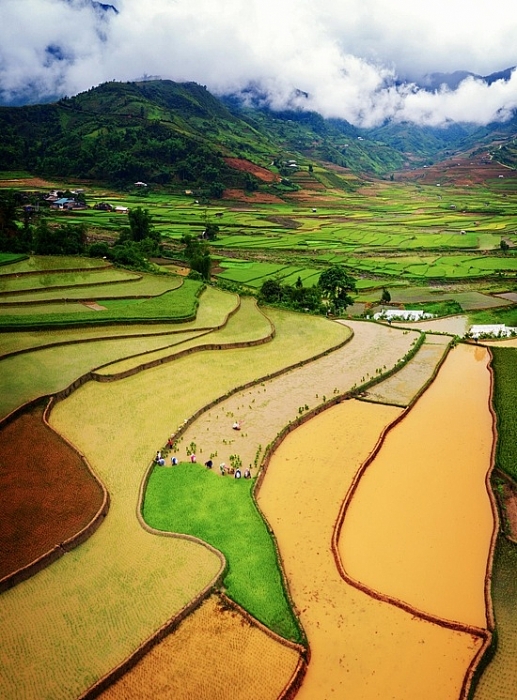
(434, 81)
(180, 134)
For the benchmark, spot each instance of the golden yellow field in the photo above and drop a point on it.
(214, 654)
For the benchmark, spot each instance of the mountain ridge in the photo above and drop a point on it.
(180, 134)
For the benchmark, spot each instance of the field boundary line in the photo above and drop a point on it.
(486, 635)
(58, 550)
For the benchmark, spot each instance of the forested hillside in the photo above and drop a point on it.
(164, 132)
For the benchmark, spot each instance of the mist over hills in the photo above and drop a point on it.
(179, 133)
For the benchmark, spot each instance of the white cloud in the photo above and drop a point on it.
(345, 55)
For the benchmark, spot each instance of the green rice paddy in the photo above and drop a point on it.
(193, 500)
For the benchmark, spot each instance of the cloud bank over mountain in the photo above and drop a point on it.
(359, 60)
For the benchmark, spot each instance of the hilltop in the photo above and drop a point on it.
(179, 134)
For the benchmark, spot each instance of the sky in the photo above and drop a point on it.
(341, 58)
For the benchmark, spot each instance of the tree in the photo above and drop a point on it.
(271, 291)
(140, 224)
(504, 245)
(335, 284)
(66, 239)
(198, 255)
(211, 231)
(385, 296)
(12, 238)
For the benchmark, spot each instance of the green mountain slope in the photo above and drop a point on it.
(179, 134)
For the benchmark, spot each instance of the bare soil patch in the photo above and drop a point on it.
(284, 221)
(246, 166)
(94, 306)
(48, 492)
(27, 182)
(251, 197)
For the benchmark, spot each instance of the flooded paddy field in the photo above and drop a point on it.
(401, 388)
(361, 648)
(453, 325)
(265, 409)
(420, 524)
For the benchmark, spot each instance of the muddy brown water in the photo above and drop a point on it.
(363, 648)
(420, 524)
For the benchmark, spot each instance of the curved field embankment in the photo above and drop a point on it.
(269, 406)
(37, 264)
(80, 618)
(248, 327)
(264, 410)
(213, 312)
(31, 287)
(360, 646)
(422, 505)
(58, 363)
(43, 506)
(401, 388)
(215, 653)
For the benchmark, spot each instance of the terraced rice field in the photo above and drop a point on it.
(361, 647)
(401, 388)
(91, 610)
(436, 461)
(214, 652)
(119, 437)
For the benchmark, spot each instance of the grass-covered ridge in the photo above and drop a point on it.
(193, 500)
(505, 405)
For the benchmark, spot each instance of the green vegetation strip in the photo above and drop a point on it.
(193, 500)
(62, 280)
(505, 405)
(177, 305)
(143, 285)
(10, 258)
(52, 263)
(498, 673)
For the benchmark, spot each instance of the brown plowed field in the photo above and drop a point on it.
(248, 167)
(251, 197)
(48, 493)
(460, 171)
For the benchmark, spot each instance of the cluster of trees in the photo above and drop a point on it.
(13, 238)
(330, 295)
(197, 254)
(135, 244)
